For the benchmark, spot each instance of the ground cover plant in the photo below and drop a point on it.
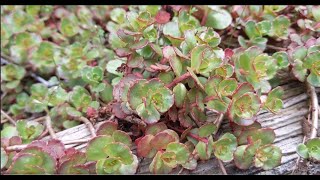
(151, 74)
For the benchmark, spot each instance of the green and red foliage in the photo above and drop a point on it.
(156, 71)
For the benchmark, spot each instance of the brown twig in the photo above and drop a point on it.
(223, 169)
(276, 48)
(49, 127)
(38, 119)
(8, 117)
(89, 125)
(178, 79)
(314, 110)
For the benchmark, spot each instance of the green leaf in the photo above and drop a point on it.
(264, 27)
(314, 79)
(302, 150)
(266, 135)
(33, 160)
(273, 102)
(157, 166)
(129, 168)
(108, 166)
(196, 57)
(282, 59)
(68, 27)
(122, 137)
(218, 19)
(268, 157)
(118, 15)
(107, 128)
(95, 149)
(313, 146)
(12, 72)
(242, 159)
(204, 150)
(299, 71)
(181, 151)
(299, 53)
(227, 87)
(171, 29)
(113, 65)
(169, 159)
(119, 151)
(252, 30)
(225, 146)
(29, 130)
(57, 95)
(280, 26)
(80, 98)
(207, 129)
(149, 114)
(8, 132)
(247, 105)
(316, 12)
(180, 93)
(4, 157)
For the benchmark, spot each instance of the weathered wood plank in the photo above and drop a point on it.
(287, 125)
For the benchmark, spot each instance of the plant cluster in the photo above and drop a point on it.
(151, 73)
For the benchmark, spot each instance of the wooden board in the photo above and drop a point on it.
(287, 125)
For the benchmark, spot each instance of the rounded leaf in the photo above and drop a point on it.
(219, 19)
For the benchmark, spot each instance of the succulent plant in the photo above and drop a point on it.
(152, 73)
(310, 149)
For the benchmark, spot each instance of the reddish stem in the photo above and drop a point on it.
(204, 18)
(198, 138)
(190, 134)
(178, 79)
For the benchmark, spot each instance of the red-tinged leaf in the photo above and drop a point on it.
(125, 37)
(185, 120)
(161, 140)
(91, 112)
(185, 133)
(54, 147)
(228, 53)
(139, 45)
(107, 128)
(123, 52)
(117, 111)
(15, 140)
(122, 87)
(69, 166)
(162, 17)
(266, 135)
(156, 48)
(168, 52)
(144, 148)
(156, 128)
(180, 54)
(173, 113)
(131, 33)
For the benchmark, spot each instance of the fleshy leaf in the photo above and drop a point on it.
(96, 146)
(219, 19)
(225, 146)
(268, 157)
(119, 151)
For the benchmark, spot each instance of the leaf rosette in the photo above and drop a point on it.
(149, 99)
